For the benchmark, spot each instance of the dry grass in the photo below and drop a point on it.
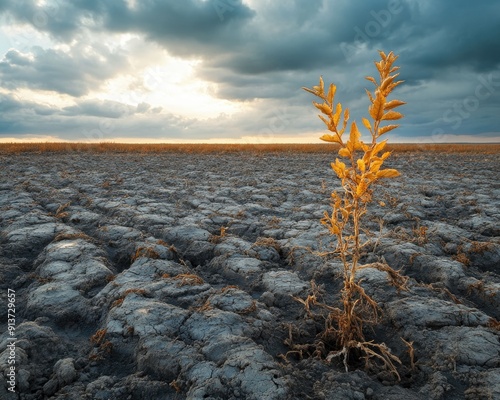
(98, 337)
(108, 147)
(146, 252)
(188, 279)
(102, 347)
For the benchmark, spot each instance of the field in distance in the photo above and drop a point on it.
(42, 147)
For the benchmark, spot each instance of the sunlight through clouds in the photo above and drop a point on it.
(226, 69)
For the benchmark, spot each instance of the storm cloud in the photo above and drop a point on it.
(84, 67)
(257, 54)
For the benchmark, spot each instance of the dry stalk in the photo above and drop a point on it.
(362, 170)
(411, 353)
(217, 238)
(60, 213)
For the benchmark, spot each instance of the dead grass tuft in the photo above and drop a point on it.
(229, 287)
(267, 242)
(60, 213)
(98, 337)
(117, 302)
(73, 236)
(188, 279)
(136, 291)
(494, 324)
(147, 252)
(217, 238)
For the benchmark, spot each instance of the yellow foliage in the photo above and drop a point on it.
(363, 170)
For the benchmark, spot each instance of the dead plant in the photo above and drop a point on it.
(345, 324)
(60, 213)
(217, 238)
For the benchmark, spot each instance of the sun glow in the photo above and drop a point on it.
(171, 85)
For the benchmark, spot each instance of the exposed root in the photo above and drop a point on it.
(400, 282)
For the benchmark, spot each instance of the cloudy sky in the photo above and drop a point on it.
(231, 70)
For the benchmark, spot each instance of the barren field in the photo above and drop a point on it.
(173, 276)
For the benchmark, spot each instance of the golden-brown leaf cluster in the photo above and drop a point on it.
(363, 171)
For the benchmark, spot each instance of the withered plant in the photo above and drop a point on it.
(360, 172)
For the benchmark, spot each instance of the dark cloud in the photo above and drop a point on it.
(99, 108)
(190, 27)
(85, 67)
(62, 19)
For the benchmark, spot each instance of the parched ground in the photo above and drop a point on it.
(172, 276)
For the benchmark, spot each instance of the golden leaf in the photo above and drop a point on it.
(332, 226)
(339, 168)
(336, 200)
(325, 120)
(370, 96)
(388, 173)
(371, 79)
(346, 116)
(344, 152)
(393, 104)
(361, 189)
(330, 138)
(377, 108)
(354, 137)
(324, 108)
(392, 86)
(313, 90)
(385, 155)
(392, 56)
(338, 111)
(391, 115)
(361, 165)
(379, 147)
(387, 81)
(386, 129)
(375, 166)
(367, 124)
(331, 93)
(370, 176)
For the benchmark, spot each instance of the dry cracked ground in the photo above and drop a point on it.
(173, 276)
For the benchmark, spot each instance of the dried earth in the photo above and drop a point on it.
(173, 276)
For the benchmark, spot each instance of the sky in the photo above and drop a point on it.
(232, 70)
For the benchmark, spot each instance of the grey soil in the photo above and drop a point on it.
(126, 288)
